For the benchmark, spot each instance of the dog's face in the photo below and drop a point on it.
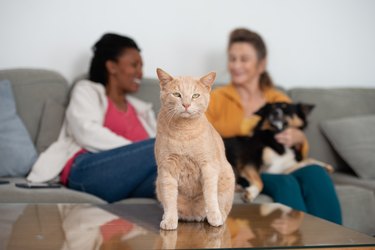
(281, 115)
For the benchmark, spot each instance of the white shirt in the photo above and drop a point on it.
(83, 128)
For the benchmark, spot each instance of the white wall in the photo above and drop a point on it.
(311, 42)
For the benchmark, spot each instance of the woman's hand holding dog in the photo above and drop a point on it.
(291, 137)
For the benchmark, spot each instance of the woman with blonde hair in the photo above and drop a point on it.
(231, 112)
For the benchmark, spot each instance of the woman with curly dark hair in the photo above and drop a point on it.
(105, 147)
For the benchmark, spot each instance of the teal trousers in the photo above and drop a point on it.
(309, 189)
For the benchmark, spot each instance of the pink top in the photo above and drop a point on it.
(122, 123)
(115, 227)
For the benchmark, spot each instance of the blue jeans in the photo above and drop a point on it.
(309, 189)
(124, 172)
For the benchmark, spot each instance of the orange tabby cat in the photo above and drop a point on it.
(195, 180)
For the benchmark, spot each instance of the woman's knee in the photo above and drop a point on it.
(311, 172)
(280, 182)
(284, 189)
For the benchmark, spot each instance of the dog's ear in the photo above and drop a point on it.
(305, 108)
(264, 110)
(262, 113)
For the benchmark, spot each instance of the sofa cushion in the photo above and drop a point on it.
(354, 140)
(50, 124)
(31, 88)
(332, 104)
(17, 152)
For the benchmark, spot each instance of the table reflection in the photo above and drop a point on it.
(275, 225)
(90, 227)
(77, 226)
(69, 226)
(190, 235)
(272, 225)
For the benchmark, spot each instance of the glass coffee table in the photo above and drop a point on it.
(136, 226)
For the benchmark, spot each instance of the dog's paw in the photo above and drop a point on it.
(250, 193)
(238, 188)
(215, 219)
(266, 209)
(169, 223)
(329, 168)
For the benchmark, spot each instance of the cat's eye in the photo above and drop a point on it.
(176, 94)
(195, 96)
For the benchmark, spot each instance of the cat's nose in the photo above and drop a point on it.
(186, 105)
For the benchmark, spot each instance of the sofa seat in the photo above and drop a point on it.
(347, 179)
(9, 193)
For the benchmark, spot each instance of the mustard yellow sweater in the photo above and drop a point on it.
(226, 114)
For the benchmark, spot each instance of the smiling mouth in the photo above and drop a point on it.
(238, 73)
(137, 81)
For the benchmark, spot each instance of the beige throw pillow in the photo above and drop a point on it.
(354, 140)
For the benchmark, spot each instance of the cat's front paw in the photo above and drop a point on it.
(250, 193)
(215, 219)
(169, 223)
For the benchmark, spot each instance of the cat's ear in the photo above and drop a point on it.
(163, 76)
(208, 79)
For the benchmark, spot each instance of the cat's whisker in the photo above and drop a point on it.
(170, 114)
(169, 121)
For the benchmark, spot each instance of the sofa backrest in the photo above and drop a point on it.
(32, 89)
(332, 104)
(150, 92)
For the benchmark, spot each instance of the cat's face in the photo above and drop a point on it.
(185, 97)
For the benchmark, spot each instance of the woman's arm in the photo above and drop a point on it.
(85, 118)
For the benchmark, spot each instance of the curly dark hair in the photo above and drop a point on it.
(109, 47)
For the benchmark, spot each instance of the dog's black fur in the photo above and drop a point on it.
(275, 118)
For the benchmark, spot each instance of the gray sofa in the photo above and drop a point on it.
(42, 95)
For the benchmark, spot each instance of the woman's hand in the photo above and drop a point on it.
(291, 137)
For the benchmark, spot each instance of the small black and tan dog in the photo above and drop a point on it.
(260, 152)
